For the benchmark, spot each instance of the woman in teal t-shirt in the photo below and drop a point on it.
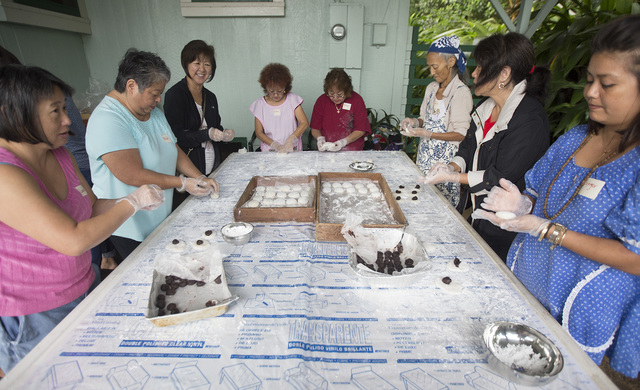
(130, 143)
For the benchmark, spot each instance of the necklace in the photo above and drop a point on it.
(337, 109)
(604, 160)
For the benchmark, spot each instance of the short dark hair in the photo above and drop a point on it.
(621, 36)
(193, 50)
(143, 67)
(338, 78)
(516, 51)
(275, 73)
(22, 88)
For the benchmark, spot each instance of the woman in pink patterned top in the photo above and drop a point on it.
(51, 218)
(280, 120)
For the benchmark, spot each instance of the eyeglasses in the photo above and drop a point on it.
(336, 96)
(273, 93)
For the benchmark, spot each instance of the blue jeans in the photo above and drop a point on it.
(19, 335)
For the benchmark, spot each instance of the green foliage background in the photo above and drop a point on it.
(562, 41)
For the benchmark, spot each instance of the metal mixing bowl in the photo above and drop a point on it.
(499, 335)
(237, 233)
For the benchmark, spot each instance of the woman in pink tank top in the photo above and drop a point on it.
(50, 218)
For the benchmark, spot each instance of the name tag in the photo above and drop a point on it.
(276, 112)
(591, 188)
(81, 190)
(166, 138)
(346, 106)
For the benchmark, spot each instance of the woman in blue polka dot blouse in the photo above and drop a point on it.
(581, 210)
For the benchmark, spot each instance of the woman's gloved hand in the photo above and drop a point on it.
(440, 173)
(336, 146)
(216, 135)
(408, 123)
(321, 142)
(228, 135)
(209, 182)
(197, 187)
(147, 197)
(527, 223)
(417, 132)
(289, 142)
(278, 147)
(507, 197)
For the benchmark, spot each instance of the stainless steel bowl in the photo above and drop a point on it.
(362, 166)
(237, 233)
(500, 335)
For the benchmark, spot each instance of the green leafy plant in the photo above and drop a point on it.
(384, 129)
(563, 42)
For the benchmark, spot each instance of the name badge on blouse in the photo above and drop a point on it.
(276, 112)
(166, 138)
(591, 188)
(346, 106)
(81, 190)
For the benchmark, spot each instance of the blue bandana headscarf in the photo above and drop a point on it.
(450, 45)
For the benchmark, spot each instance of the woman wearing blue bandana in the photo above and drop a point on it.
(444, 113)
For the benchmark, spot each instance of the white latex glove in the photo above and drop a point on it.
(209, 182)
(228, 135)
(528, 223)
(417, 132)
(288, 143)
(197, 187)
(440, 173)
(321, 142)
(336, 146)
(147, 197)
(216, 135)
(408, 123)
(278, 147)
(507, 197)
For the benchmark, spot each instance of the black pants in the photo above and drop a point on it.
(124, 246)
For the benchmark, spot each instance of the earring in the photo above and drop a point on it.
(501, 85)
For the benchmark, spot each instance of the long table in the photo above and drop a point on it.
(303, 320)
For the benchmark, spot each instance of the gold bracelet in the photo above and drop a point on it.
(544, 232)
(557, 233)
(563, 236)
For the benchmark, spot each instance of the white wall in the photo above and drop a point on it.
(243, 46)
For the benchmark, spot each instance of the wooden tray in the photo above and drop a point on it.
(331, 231)
(275, 214)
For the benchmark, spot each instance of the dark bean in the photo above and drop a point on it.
(199, 242)
(161, 312)
(208, 233)
(164, 287)
(168, 279)
(380, 255)
(210, 303)
(418, 186)
(200, 283)
(171, 291)
(175, 241)
(183, 283)
(400, 186)
(398, 192)
(191, 282)
(398, 197)
(171, 306)
(218, 280)
(175, 311)
(456, 262)
(175, 285)
(414, 198)
(408, 262)
(414, 192)
(446, 280)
